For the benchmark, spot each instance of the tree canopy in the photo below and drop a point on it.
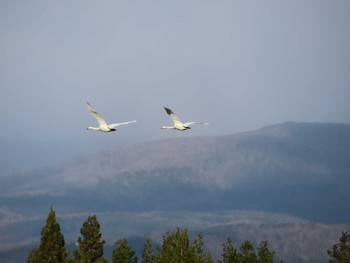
(52, 245)
(123, 253)
(90, 242)
(177, 247)
(340, 253)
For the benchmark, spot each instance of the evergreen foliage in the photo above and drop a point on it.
(200, 254)
(246, 253)
(90, 242)
(176, 248)
(34, 255)
(264, 254)
(340, 252)
(52, 245)
(229, 254)
(147, 252)
(123, 253)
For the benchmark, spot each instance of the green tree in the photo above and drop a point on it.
(90, 242)
(51, 248)
(209, 258)
(147, 252)
(177, 248)
(246, 253)
(123, 253)
(34, 255)
(264, 254)
(340, 252)
(229, 253)
(200, 255)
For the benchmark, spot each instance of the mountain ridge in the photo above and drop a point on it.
(214, 184)
(287, 162)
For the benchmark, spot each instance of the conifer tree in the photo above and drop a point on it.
(176, 248)
(34, 255)
(147, 252)
(264, 254)
(123, 253)
(246, 253)
(200, 255)
(51, 248)
(229, 254)
(209, 258)
(90, 242)
(340, 252)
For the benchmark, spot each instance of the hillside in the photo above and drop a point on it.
(301, 170)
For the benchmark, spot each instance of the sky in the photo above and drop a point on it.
(239, 65)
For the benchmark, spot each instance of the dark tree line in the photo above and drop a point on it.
(340, 253)
(175, 248)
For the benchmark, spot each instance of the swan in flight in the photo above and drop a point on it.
(103, 125)
(178, 124)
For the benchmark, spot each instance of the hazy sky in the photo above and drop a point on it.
(238, 65)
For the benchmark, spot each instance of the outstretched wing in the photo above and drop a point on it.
(173, 116)
(119, 124)
(97, 116)
(195, 122)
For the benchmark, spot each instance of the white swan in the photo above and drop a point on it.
(178, 124)
(103, 125)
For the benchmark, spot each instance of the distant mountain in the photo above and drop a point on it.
(297, 169)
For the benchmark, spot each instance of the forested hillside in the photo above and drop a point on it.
(300, 170)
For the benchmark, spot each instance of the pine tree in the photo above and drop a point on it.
(90, 243)
(51, 248)
(229, 254)
(264, 254)
(341, 251)
(209, 258)
(34, 255)
(147, 252)
(246, 253)
(200, 255)
(123, 253)
(176, 248)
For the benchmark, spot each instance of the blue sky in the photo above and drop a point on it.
(239, 65)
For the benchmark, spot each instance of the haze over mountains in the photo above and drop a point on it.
(299, 170)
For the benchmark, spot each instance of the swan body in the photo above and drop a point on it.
(178, 124)
(103, 126)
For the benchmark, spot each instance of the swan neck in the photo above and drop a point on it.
(167, 127)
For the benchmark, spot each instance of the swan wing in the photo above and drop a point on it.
(195, 122)
(119, 124)
(173, 116)
(97, 116)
